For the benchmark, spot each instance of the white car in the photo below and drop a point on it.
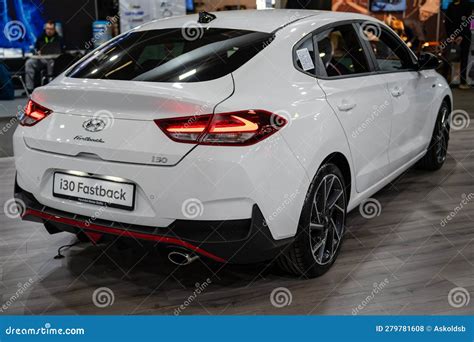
(241, 136)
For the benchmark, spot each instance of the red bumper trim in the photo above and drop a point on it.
(121, 232)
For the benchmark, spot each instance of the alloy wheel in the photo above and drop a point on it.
(327, 219)
(441, 147)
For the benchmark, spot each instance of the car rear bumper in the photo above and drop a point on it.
(225, 183)
(230, 241)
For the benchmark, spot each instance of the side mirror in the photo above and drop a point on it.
(428, 61)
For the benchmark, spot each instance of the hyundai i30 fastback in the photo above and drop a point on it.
(239, 137)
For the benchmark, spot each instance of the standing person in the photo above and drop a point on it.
(458, 16)
(49, 43)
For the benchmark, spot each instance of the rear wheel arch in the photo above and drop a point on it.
(448, 100)
(321, 225)
(340, 160)
(436, 152)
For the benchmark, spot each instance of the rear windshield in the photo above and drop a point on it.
(172, 55)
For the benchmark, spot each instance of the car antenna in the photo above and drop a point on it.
(206, 17)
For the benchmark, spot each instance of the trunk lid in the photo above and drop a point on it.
(113, 120)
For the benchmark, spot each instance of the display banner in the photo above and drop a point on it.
(237, 328)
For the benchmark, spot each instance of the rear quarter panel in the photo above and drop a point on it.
(269, 81)
(442, 91)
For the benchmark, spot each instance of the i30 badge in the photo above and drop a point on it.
(94, 125)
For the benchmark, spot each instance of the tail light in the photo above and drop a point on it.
(236, 128)
(33, 114)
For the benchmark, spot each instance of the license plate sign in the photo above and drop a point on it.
(94, 190)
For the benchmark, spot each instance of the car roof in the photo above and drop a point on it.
(255, 20)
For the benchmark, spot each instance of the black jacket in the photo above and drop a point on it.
(49, 45)
(457, 19)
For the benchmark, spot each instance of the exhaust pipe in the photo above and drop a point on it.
(182, 258)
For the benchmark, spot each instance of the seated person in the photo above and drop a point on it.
(49, 43)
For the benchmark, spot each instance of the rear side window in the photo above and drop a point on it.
(340, 52)
(170, 55)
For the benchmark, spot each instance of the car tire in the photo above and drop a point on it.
(437, 150)
(322, 220)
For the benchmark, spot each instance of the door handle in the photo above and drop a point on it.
(345, 106)
(397, 92)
